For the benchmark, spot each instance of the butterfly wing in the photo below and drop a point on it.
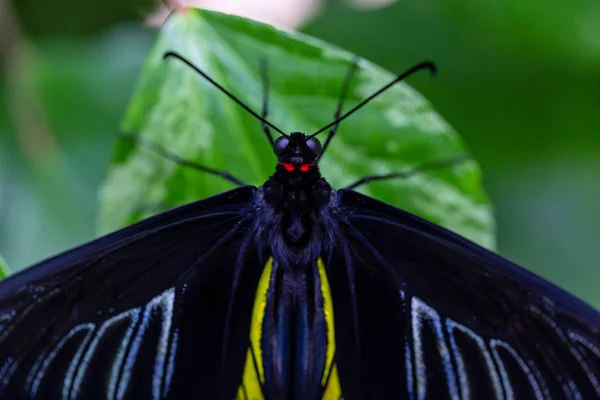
(421, 312)
(157, 310)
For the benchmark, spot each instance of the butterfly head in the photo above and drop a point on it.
(297, 152)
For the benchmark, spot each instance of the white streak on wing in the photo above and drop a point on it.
(41, 366)
(588, 345)
(408, 362)
(10, 320)
(568, 386)
(509, 395)
(409, 371)
(165, 302)
(118, 361)
(463, 378)
(6, 319)
(421, 311)
(13, 318)
(74, 392)
(7, 369)
(75, 361)
(585, 342)
(418, 347)
(171, 364)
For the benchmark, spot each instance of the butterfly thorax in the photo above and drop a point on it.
(297, 192)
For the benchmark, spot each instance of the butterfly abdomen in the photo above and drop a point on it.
(292, 339)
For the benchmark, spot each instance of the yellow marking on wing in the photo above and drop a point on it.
(329, 321)
(254, 374)
(258, 314)
(250, 388)
(333, 391)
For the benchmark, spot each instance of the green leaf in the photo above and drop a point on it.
(178, 109)
(4, 270)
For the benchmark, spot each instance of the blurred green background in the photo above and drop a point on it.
(520, 81)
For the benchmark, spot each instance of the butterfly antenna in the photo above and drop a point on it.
(158, 149)
(264, 77)
(430, 166)
(424, 65)
(173, 54)
(338, 111)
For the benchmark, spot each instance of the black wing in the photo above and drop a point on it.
(421, 312)
(157, 310)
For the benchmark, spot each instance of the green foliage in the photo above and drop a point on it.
(4, 270)
(59, 113)
(77, 18)
(533, 24)
(175, 107)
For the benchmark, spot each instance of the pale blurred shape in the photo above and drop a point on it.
(370, 4)
(283, 14)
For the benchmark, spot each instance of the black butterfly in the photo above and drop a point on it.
(291, 290)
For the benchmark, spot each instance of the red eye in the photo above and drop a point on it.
(288, 167)
(305, 167)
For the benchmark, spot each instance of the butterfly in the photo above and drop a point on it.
(291, 290)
